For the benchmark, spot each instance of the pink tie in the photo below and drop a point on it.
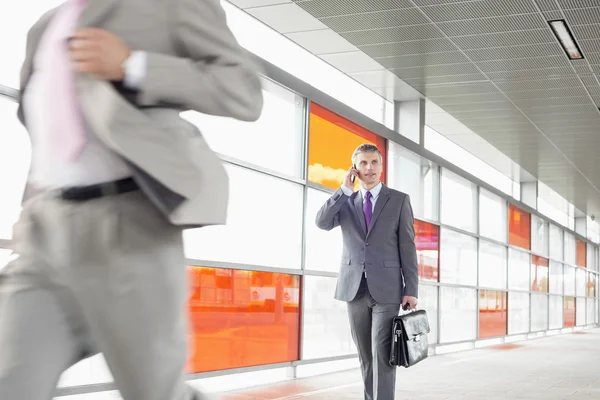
(66, 124)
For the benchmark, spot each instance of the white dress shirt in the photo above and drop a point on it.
(363, 192)
(96, 163)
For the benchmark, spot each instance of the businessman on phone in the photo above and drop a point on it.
(378, 271)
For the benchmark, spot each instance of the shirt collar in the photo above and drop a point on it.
(374, 192)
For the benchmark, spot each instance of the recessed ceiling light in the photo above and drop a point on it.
(566, 39)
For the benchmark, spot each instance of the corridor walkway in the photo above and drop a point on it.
(553, 368)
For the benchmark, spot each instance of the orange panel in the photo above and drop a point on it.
(427, 240)
(242, 318)
(332, 141)
(581, 253)
(493, 313)
(519, 227)
(540, 272)
(591, 285)
(570, 308)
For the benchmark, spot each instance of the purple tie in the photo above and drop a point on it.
(368, 209)
(66, 124)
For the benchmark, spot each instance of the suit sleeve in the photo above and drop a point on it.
(213, 75)
(328, 216)
(408, 250)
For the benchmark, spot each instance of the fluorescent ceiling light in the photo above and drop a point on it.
(566, 39)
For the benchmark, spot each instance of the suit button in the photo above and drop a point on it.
(366, 244)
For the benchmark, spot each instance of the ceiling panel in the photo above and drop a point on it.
(392, 35)
(492, 25)
(323, 41)
(286, 18)
(376, 20)
(421, 60)
(477, 9)
(329, 8)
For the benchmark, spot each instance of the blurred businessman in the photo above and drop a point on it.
(116, 174)
(378, 271)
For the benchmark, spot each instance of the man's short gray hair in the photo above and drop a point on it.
(366, 148)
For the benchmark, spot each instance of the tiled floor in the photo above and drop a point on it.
(553, 368)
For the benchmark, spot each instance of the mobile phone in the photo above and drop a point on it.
(353, 178)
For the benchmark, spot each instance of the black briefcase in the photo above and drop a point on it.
(409, 339)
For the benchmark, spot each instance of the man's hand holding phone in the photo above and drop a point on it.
(350, 178)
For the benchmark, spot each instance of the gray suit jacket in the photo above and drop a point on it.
(386, 251)
(194, 62)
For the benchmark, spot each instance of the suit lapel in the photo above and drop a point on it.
(384, 196)
(358, 207)
(95, 12)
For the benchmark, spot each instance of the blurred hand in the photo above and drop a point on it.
(99, 53)
(411, 301)
(348, 181)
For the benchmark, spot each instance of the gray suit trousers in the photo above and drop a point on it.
(371, 327)
(105, 275)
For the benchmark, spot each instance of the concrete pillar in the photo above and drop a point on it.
(581, 225)
(529, 194)
(409, 120)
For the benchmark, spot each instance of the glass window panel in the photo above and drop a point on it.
(580, 282)
(323, 248)
(519, 265)
(492, 265)
(539, 274)
(280, 125)
(569, 284)
(254, 224)
(570, 252)
(518, 313)
(539, 236)
(416, 176)
(329, 131)
(326, 331)
(13, 35)
(581, 254)
(556, 312)
(591, 257)
(458, 258)
(519, 227)
(428, 301)
(570, 306)
(596, 316)
(591, 310)
(459, 202)
(4, 257)
(591, 285)
(556, 277)
(427, 241)
(458, 314)
(556, 243)
(539, 312)
(492, 216)
(580, 311)
(242, 318)
(15, 158)
(492, 313)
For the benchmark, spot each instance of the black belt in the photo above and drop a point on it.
(83, 193)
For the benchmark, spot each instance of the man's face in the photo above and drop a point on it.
(369, 167)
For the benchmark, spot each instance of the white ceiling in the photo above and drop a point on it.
(494, 65)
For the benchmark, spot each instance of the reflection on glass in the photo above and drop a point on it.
(570, 306)
(539, 236)
(569, 281)
(591, 257)
(323, 248)
(519, 227)
(570, 249)
(581, 254)
(326, 330)
(492, 216)
(459, 202)
(556, 243)
(539, 312)
(242, 318)
(255, 220)
(556, 312)
(556, 277)
(280, 125)
(591, 310)
(416, 176)
(581, 311)
(427, 241)
(591, 285)
(458, 314)
(581, 282)
(428, 301)
(458, 258)
(492, 265)
(15, 157)
(518, 313)
(332, 140)
(518, 269)
(492, 313)
(539, 274)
